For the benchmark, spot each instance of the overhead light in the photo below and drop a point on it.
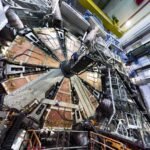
(128, 23)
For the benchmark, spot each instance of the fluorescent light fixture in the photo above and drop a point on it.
(128, 23)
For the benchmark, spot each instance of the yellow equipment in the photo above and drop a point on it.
(107, 22)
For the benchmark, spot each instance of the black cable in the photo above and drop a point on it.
(86, 69)
(49, 39)
(46, 35)
(23, 53)
(63, 116)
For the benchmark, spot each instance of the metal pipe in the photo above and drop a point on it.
(6, 8)
(112, 97)
(14, 20)
(56, 10)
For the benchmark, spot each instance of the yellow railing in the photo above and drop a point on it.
(107, 22)
(105, 143)
(33, 142)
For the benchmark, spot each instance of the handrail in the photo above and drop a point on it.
(33, 141)
(104, 143)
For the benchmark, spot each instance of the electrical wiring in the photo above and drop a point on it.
(51, 36)
(46, 35)
(49, 39)
(63, 116)
(23, 53)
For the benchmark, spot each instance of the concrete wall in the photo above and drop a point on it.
(123, 9)
(140, 27)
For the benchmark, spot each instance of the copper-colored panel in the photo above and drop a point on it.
(23, 50)
(33, 77)
(49, 37)
(92, 98)
(13, 84)
(64, 92)
(69, 54)
(19, 46)
(92, 79)
(63, 97)
(65, 85)
(39, 57)
(59, 118)
(36, 57)
(51, 62)
(59, 54)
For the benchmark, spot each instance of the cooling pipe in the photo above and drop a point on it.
(14, 20)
